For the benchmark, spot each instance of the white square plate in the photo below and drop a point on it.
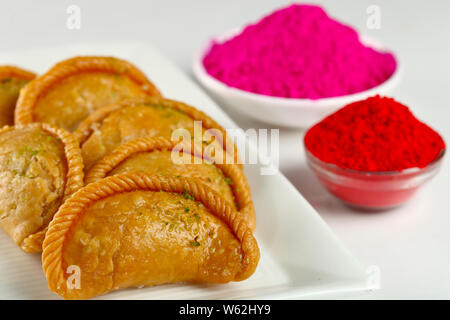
(300, 256)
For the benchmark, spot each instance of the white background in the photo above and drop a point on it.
(411, 245)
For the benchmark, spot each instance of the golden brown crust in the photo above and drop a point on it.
(69, 213)
(33, 243)
(15, 72)
(36, 88)
(74, 178)
(239, 185)
(12, 80)
(85, 129)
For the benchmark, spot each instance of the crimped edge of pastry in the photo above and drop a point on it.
(8, 71)
(74, 177)
(70, 211)
(239, 186)
(81, 64)
(86, 128)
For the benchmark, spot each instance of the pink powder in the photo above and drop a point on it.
(298, 52)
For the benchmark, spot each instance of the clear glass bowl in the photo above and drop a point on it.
(372, 190)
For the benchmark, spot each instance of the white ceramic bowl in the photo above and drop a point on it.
(284, 112)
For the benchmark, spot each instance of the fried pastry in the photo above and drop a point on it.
(116, 124)
(40, 166)
(76, 87)
(159, 155)
(134, 229)
(12, 79)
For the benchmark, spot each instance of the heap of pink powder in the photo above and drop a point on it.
(298, 52)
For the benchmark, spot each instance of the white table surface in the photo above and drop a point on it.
(411, 245)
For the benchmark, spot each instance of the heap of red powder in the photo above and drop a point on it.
(298, 52)
(376, 134)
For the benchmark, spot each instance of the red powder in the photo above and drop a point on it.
(298, 52)
(376, 134)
